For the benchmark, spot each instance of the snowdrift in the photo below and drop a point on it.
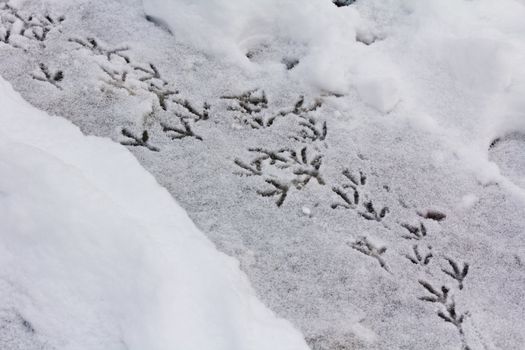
(315, 31)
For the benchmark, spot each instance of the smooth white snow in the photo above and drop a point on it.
(94, 254)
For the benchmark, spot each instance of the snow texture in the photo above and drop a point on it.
(96, 258)
(365, 163)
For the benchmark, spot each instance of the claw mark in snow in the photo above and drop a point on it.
(135, 140)
(99, 49)
(419, 259)
(415, 232)
(457, 273)
(48, 76)
(363, 245)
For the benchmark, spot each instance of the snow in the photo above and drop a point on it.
(471, 51)
(422, 98)
(94, 257)
(231, 29)
(380, 93)
(461, 66)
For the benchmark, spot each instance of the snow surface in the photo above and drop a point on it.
(472, 50)
(424, 98)
(96, 258)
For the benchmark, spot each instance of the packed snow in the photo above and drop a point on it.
(364, 162)
(455, 64)
(94, 257)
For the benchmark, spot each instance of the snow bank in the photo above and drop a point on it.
(316, 32)
(461, 64)
(96, 255)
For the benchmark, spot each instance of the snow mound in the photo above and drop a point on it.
(460, 67)
(316, 33)
(96, 255)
